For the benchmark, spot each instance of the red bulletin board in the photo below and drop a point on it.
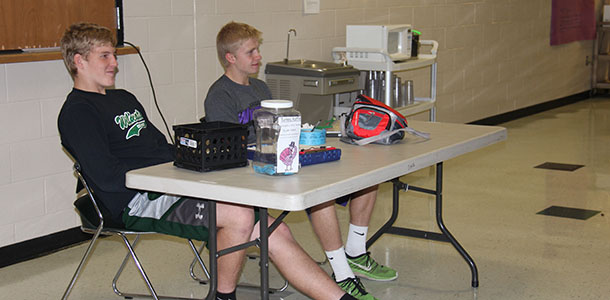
(572, 20)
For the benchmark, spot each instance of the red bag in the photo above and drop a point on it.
(371, 121)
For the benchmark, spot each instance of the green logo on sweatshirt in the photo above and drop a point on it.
(134, 122)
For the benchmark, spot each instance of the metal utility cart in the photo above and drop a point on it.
(422, 104)
(601, 58)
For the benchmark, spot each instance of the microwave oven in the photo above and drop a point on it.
(395, 40)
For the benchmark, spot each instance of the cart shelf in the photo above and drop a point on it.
(424, 60)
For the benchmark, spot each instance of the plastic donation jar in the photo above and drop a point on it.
(277, 127)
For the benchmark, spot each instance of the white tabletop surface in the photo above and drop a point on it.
(359, 167)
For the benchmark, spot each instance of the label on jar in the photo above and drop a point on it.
(288, 144)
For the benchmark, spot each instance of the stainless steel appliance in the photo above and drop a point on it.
(311, 85)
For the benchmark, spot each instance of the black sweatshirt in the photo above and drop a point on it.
(110, 135)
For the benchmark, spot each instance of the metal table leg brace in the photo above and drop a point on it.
(444, 236)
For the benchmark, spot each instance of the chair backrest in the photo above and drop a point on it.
(92, 213)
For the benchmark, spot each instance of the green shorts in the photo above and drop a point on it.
(168, 214)
(174, 215)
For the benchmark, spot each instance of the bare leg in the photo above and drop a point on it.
(326, 225)
(361, 206)
(235, 225)
(297, 266)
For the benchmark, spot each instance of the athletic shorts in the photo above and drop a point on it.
(179, 216)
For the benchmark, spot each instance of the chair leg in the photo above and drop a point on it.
(196, 259)
(131, 254)
(121, 268)
(136, 261)
(153, 293)
(82, 263)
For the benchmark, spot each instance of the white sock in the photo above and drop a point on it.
(338, 262)
(356, 240)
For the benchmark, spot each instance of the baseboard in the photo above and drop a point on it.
(531, 110)
(41, 246)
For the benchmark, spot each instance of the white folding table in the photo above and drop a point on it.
(359, 167)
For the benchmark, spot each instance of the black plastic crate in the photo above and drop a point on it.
(210, 146)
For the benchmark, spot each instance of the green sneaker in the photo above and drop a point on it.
(354, 287)
(365, 266)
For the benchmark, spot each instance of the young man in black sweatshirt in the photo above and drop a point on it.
(108, 132)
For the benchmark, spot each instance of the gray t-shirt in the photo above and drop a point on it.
(232, 102)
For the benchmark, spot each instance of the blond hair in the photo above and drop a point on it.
(231, 36)
(80, 38)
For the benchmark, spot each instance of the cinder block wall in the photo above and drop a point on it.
(494, 57)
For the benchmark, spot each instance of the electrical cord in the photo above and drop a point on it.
(153, 90)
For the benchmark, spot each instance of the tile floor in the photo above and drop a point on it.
(492, 200)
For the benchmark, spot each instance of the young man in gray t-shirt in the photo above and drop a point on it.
(233, 98)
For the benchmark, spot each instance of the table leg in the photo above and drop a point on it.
(387, 227)
(264, 249)
(445, 231)
(212, 243)
(444, 236)
(262, 242)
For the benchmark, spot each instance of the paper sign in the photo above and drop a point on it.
(311, 6)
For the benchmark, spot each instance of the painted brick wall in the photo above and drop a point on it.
(494, 57)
